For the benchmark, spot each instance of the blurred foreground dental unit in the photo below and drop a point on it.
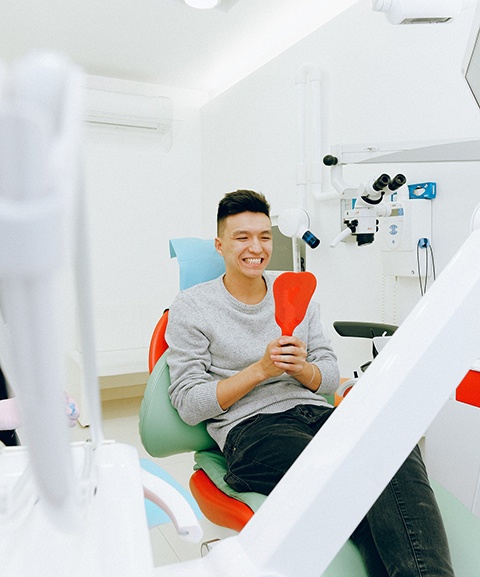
(78, 509)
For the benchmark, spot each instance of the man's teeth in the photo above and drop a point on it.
(253, 260)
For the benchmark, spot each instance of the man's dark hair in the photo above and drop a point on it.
(241, 201)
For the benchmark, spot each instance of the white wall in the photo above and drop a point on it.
(139, 195)
(381, 83)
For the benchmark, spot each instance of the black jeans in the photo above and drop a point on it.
(401, 536)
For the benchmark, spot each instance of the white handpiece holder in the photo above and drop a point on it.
(111, 537)
(174, 504)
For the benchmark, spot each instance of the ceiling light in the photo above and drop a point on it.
(203, 4)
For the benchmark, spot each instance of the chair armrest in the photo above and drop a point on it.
(363, 330)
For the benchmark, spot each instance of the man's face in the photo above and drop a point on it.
(245, 242)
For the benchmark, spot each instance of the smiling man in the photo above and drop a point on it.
(261, 393)
(227, 359)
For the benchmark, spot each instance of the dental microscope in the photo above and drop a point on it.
(362, 219)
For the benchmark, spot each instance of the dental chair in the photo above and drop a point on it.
(163, 433)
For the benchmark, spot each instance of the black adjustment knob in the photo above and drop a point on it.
(330, 160)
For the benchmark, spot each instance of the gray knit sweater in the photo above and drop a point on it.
(211, 336)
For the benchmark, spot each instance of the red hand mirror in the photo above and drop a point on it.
(292, 292)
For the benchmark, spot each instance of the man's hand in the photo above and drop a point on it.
(288, 354)
(282, 355)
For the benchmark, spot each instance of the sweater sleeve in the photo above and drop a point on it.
(321, 353)
(193, 391)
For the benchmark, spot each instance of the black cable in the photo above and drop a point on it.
(418, 268)
(433, 262)
(429, 248)
(426, 270)
(434, 273)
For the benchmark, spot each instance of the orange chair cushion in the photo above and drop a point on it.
(468, 391)
(158, 344)
(214, 503)
(216, 506)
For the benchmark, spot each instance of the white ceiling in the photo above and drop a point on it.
(163, 41)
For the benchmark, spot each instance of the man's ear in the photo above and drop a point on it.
(218, 246)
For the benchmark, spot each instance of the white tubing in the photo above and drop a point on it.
(309, 167)
(84, 298)
(325, 196)
(301, 167)
(316, 165)
(344, 189)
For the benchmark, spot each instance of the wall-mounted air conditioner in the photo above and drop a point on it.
(130, 111)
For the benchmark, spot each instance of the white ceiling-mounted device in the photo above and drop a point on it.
(420, 11)
(203, 4)
(131, 111)
(218, 5)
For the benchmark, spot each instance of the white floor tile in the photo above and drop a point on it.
(163, 552)
(187, 551)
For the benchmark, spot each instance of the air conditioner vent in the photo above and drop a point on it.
(130, 111)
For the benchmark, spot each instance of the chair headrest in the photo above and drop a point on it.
(198, 260)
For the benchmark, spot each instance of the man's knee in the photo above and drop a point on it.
(258, 464)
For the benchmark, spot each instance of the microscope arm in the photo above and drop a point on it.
(346, 232)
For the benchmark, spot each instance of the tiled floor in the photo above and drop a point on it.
(120, 422)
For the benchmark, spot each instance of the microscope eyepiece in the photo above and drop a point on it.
(382, 181)
(397, 181)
